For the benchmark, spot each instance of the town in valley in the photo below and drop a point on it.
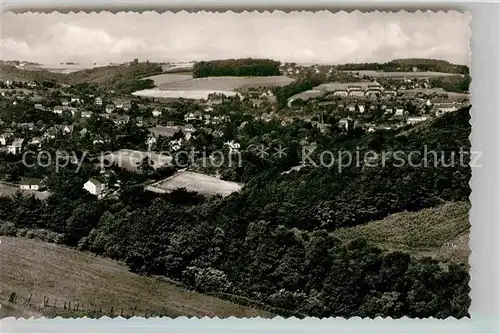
(298, 165)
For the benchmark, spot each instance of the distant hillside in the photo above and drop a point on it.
(63, 275)
(236, 67)
(406, 65)
(107, 76)
(441, 232)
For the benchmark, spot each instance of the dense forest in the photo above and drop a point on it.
(236, 67)
(452, 83)
(406, 65)
(271, 245)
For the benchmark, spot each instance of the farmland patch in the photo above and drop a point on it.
(198, 182)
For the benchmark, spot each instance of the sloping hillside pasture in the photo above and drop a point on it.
(198, 182)
(226, 83)
(108, 76)
(441, 232)
(185, 94)
(171, 86)
(62, 274)
(162, 79)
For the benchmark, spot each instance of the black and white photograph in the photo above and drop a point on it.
(235, 164)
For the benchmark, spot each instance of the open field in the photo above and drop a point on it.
(421, 75)
(308, 94)
(162, 79)
(8, 190)
(60, 68)
(180, 85)
(226, 83)
(441, 232)
(62, 274)
(458, 96)
(192, 181)
(185, 94)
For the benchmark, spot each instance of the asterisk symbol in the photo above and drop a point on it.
(261, 151)
(280, 151)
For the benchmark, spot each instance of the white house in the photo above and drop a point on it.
(399, 112)
(98, 101)
(30, 184)
(58, 110)
(4, 137)
(16, 146)
(95, 187)
(346, 123)
(192, 116)
(156, 113)
(86, 114)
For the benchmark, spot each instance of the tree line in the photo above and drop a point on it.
(406, 65)
(236, 67)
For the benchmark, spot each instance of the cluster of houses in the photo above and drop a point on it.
(365, 96)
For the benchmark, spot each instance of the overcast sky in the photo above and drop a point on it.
(320, 37)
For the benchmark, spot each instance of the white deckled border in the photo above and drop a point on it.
(484, 214)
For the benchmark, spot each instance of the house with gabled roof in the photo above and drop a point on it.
(16, 146)
(5, 136)
(95, 187)
(65, 129)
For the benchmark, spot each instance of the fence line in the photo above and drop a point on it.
(72, 308)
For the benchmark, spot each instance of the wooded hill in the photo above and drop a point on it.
(106, 76)
(236, 67)
(406, 65)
